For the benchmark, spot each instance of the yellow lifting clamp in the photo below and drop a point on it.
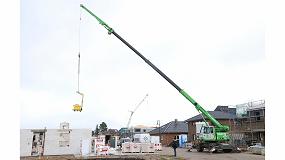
(78, 107)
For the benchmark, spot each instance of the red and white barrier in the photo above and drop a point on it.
(157, 147)
(103, 150)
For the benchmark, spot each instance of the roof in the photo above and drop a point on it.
(216, 114)
(110, 132)
(226, 109)
(172, 127)
(141, 126)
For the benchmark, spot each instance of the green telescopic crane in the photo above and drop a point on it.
(219, 129)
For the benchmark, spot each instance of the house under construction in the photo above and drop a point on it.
(62, 141)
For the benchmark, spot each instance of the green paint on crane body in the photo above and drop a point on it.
(110, 30)
(217, 124)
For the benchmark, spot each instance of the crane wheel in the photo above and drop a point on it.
(200, 149)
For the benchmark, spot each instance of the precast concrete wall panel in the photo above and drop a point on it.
(26, 138)
(53, 145)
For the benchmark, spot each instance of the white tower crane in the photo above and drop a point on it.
(132, 112)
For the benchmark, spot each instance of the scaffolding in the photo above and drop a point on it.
(251, 121)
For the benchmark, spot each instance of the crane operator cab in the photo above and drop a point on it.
(207, 133)
(78, 107)
(210, 133)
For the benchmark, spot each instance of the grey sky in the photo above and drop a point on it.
(213, 50)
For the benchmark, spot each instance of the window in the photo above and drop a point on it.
(208, 130)
(257, 114)
(137, 130)
(205, 130)
(64, 139)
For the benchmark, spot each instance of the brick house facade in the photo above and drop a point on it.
(167, 138)
(246, 122)
(170, 131)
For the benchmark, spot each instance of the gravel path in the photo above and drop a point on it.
(194, 155)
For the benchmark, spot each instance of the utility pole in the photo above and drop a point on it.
(158, 123)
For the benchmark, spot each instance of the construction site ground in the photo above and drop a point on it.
(165, 154)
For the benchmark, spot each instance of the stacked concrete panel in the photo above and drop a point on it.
(126, 147)
(26, 142)
(135, 147)
(147, 147)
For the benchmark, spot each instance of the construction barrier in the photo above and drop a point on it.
(130, 147)
(126, 147)
(135, 147)
(157, 147)
(103, 150)
(147, 147)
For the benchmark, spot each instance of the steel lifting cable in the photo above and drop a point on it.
(78, 51)
(77, 107)
(78, 72)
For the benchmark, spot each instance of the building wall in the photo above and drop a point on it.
(167, 138)
(53, 138)
(140, 130)
(52, 141)
(252, 125)
(245, 129)
(191, 131)
(26, 138)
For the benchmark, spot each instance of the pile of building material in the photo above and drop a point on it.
(131, 147)
(157, 145)
(257, 149)
(102, 150)
(147, 147)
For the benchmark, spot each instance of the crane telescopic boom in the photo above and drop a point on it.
(218, 126)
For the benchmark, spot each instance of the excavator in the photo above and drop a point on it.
(214, 137)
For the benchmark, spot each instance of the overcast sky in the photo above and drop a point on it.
(214, 50)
